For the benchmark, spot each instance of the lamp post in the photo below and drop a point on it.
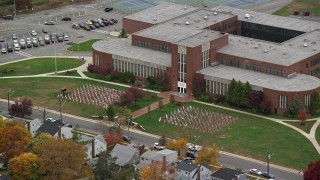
(194, 143)
(15, 9)
(129, 121)
(268, 159)
(9, 94)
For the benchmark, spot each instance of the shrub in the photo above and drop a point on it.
(204, 97)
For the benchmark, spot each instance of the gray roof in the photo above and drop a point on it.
(184, 26)
(311, 39)
(255, 49)
(122, 47)
(161, 13)
(50, 127)
(167, 152)
(189, 166)
(226, 173)
(152, 155)
(270, 20)
(301, 82)
(123, 154)
(200, 38)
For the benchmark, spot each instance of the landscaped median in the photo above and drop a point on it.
(44, 91)
(38, 66)
(85, 46)
(250, 136)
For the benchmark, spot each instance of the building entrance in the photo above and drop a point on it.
(182, 87)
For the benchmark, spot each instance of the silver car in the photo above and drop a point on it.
(22, 43)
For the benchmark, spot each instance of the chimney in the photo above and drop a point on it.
(59, 132)
(164, 164)
(198, 172)
(28, 126)
(93, 148)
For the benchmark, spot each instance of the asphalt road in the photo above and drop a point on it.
(225, 160)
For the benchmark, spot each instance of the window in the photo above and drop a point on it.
(205, 58)
(283, 102)
(307, 100)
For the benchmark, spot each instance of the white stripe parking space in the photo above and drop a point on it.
(23, 54)
(101, 31)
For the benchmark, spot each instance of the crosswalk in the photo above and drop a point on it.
(24, 54)
(101, 31)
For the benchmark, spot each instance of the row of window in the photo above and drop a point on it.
(315, 62)
(205, 58)
(273, 71)
(216, 87)
(315, 72)
(226, 26)
(145, 44)
(182, 67)
(137, 69)
(96, 60)
(283, 101)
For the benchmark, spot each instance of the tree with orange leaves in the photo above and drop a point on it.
(180, 144)
(113, 137)
(208, 154)
(153, 171)
(14, 138)
(25, 166)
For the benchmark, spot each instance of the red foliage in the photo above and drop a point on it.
(114, 74)
(112, 138)
(255, 99)
(302, 115)
(265, 106)
(163, 81)
(313, 171)
(24, 4)
(126, 98)
(137, 93)
(21, 108)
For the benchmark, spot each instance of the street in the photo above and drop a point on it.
(92, 126)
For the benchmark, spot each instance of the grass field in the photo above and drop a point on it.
(70, 73)
(318, 134)
(43, 92)
(306, 128)
(251, 137)
(38, 66)
(312, 6)
(84, 46)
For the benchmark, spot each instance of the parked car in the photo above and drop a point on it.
(266, 175)
(101, 24)
(114, 20)
(255, 171)
(65, 37)
(53, 37)
(49, 23)
(46, 39)
(9, 47)
(106, 22)
(82, 25)
(96, 25)
(108, 9)
(157, 146)
(22, 44)
(14, 37)
(50, 120)
(33, 33)
(35, 42)
(68, 125)
(59, 38)
(195, 148)
(87, 28)
(41, 41)
(191, 154)
(88, 22)
(94, 21)
(126, 138)
(45, 30)
(29, 43)
(189, 159)
(92, 27)
(16, 47)
(7, 17)
(3, 49)
(75, 26)
(66, 19)
(15, 42)
(2, 39)
(111, 22)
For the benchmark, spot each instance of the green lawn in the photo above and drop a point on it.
(43, 92)
(251, 137)
(70, 73)
(318, 134)
(306, 128)
(38, 66)
(84, 46)
(312, 6)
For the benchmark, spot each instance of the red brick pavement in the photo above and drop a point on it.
(165, 100)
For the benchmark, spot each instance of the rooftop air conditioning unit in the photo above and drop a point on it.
(247, 16)
(215, 13)
(187, 23)
(205, 17)
(305, 45)
(265, 50)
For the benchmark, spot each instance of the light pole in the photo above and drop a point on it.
(268, 159)
(129, 121)
(60, 105)
(15, 9)
(9, 94)
(194, 143)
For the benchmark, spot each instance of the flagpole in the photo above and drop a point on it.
(55, 57)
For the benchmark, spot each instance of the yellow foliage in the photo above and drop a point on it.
(25, 166)
(170, 144)
(209, 155)
(153, 172)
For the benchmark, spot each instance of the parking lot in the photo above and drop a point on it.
(23, 25)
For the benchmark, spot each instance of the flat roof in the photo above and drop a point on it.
(264, 51)
(301, 82)
(184, 26)
(200, 38)
(122, 47)
(269, 19)
(309, 42)
(161, 13)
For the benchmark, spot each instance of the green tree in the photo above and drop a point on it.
(76, 136)
(25, 166)
(123, 34)
(40, 138)
(124, 115)
(245, 94)
(239, 94)
(231, 93)
(104, 167)
(314, 102)
(295, 105)
(110, 112)
(127, 172)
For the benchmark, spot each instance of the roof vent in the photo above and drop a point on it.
(305, 45)
(256, 47)
(215, 13)
(284, 53)
(306, 40)
(154, 19)
(290, 44)
(314, 42)
(208, 14)
(292, 75)
(275, 49)
(185, 7)
(206, 35)
(265, 50)
(205, 17)
(199, 19)
(187, 23)
(247, 16)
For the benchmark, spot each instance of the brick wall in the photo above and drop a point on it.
(132, 26)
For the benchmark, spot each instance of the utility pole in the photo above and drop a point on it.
(43, 110)
(9, 92)
(60, 105)
(268, 159)
(15, 9)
